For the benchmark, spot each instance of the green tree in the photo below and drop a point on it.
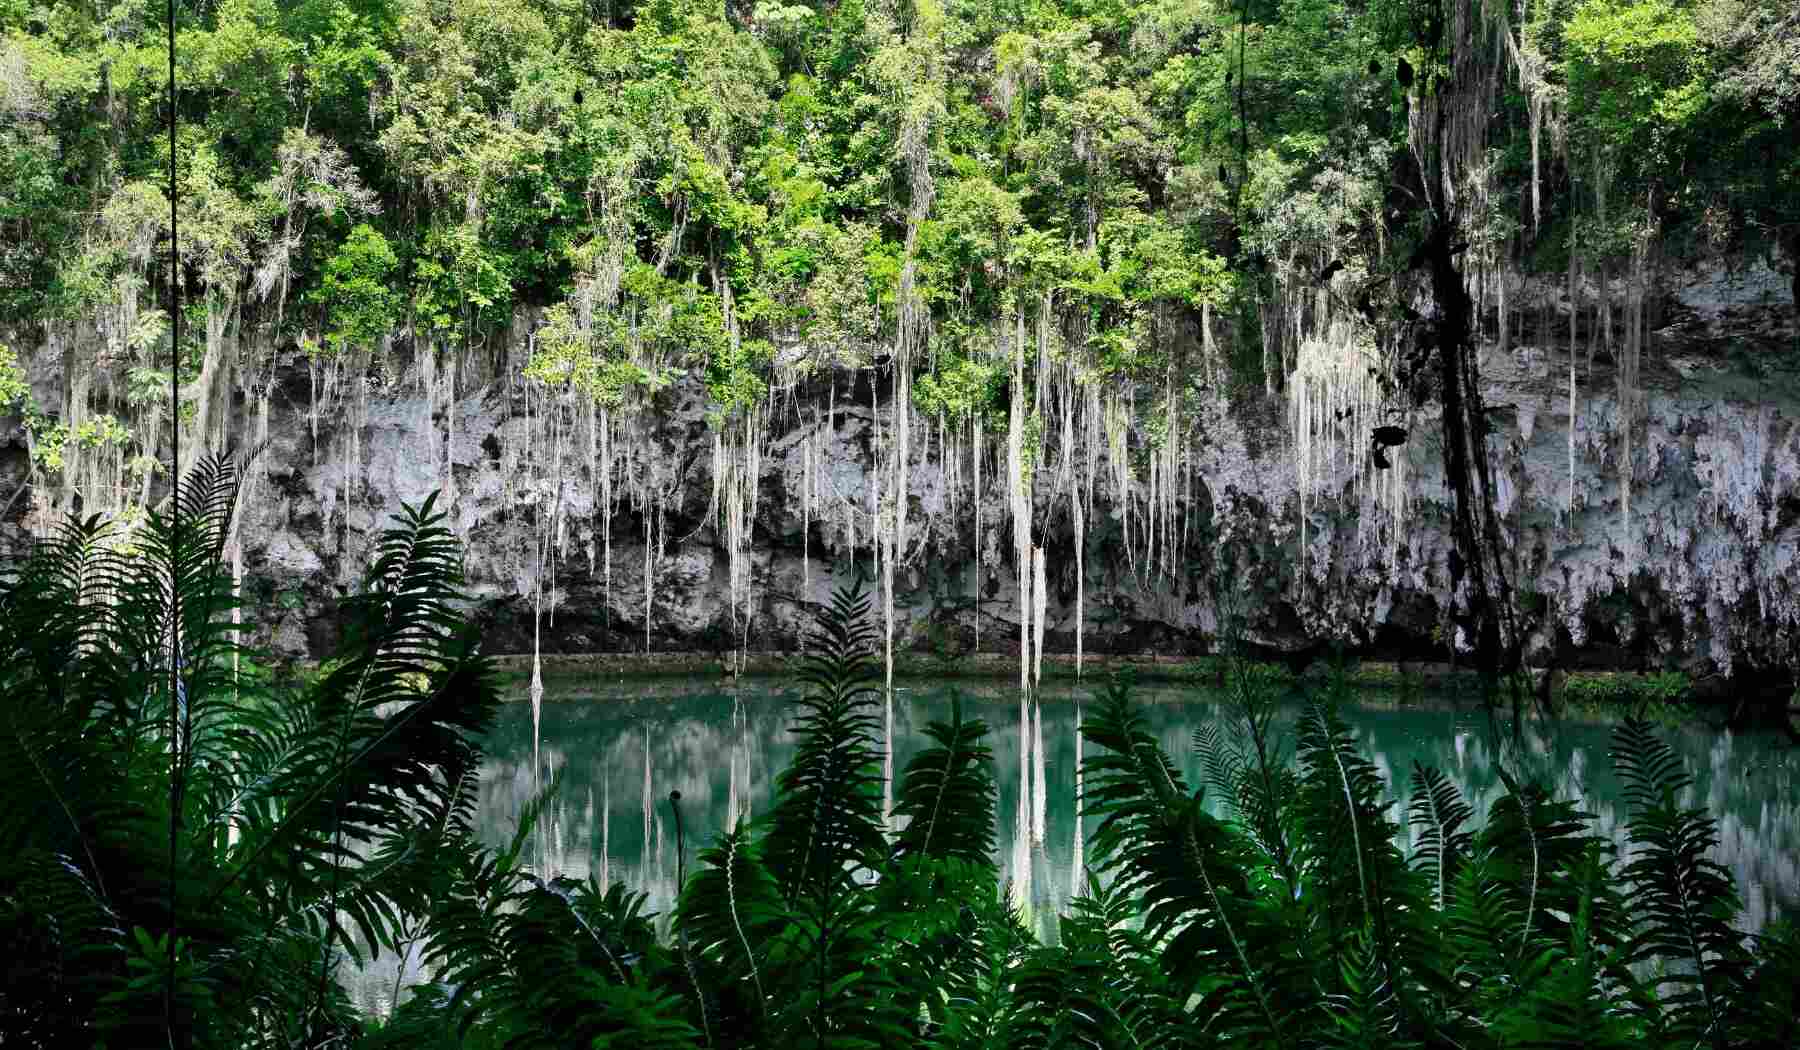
(356, 291)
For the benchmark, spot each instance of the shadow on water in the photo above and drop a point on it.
(622, 746)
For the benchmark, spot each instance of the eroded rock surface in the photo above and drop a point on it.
(1699, 573)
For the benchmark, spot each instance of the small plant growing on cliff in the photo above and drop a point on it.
(15, 387)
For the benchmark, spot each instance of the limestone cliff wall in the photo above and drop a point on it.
(1700, 572)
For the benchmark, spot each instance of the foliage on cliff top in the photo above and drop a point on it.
(764, 162)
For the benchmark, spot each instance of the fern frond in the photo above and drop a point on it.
(826, 822)
(729, 908)
(977, 1002)
(820, 839)
(374, 752)
(1685, 899)
(1265, 785)
(1356, 878)
(1365, 1013)
(1771, 1015)
(1105, 985)
(947, 794)
(1530, 838)
(1439, 812)
(1157, 840)
(1221, 763)
(589, 971)
(834, 989)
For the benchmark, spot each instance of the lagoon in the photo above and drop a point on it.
(620, 745)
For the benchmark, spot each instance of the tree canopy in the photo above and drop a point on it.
(729, 174)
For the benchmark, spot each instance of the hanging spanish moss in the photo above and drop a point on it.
(1336, 402)
(911, 335)
(1019, 499)
(977, 452)
(1574, 336)
(1039, 602)
(809, 494)
(737, 465)
(1630, 393)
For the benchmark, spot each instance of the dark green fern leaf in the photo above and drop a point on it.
(826, 821)
(1530, 837)
(393, 727)
(946, 796)
(1685, 900)
(1771, 1014)
(1562, 995)
(1156, 840)
(1355, 876)
(1439, 813)
(821, 838)
(977, 984)
(731, 911)
(1364, 1014)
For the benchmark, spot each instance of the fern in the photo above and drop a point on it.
(942, 857)
(1772, 1013)
(1365, 1014)
(1357, 881)
(303, 812)
(1530, 838)
(1685, 900)
(1120, 994)
(1156, 840)
(731, 909)
(821, 842)
(977, 1006)
(947, 794)
(238, 923)
(1081, 992)
(1439, 813)
(1561, 996)
(826, 823)
(119, 767)
(1250, 773)
(374, 752)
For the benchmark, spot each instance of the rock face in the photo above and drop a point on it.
(1699, 572)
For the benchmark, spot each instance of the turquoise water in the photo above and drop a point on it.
(622, 745)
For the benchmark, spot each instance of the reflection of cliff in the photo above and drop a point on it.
(722, 752)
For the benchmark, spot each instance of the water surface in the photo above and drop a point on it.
(621, 745)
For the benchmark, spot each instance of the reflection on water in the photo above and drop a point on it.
(630, 742)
